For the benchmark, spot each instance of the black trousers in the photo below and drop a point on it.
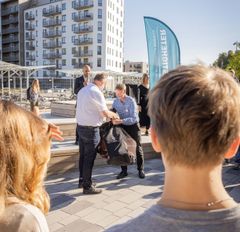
(135, 132)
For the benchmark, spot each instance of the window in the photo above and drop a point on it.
(63, 62)
(99, 50)
(63, 29)
(99, 38)
(99, 2)
(99, 26)
(63, 40)
(73, 39)
(63, 18)
(64, 6)
(100, 13)
(99, 62)
(63, 51)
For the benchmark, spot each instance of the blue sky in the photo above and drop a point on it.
(204, 28)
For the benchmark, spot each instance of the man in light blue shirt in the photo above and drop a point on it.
(126, 108)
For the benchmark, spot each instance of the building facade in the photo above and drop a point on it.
(140, 67)
(70, 34)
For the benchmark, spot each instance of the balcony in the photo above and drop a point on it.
(30, 57)
(84, 41)
(10, 40)
(30, 47)
(51, 34)
(83, 29)
(82, 17)
(80, 5)
(52, 55)
(29, 17)
(6, 49)
(51, 11)
(10, 20)
(52, 22)
(10, 30)
(80, 65)
(52, 45)
(83, 53)
(10, 58)
(30, 37)
(30, 27)
(12, 10)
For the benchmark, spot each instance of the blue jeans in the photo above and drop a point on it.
(89, 138)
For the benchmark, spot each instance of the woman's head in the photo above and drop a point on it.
(145, 79)
(35, 85)
(24, 153)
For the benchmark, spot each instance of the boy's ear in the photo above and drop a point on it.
(233, 149)
(155, 143)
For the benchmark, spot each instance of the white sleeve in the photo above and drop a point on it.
(99, 101)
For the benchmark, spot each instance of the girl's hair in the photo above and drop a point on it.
(144, 77)
(35, 85)
(24, 153)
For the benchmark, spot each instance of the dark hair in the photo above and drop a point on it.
(100, 77)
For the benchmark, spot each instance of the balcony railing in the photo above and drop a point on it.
(82, 17)
(50, 34)
(53, 55)
(10, 20)
(10, 49)
(8, 11)
(30, 27)
(29, 16)
(10, 40)
(84, 41)
(80, 5)
(10, 30)
(30, 37)
(80, 65)
(83, 54)
(52, 45)
(30, 57)
(30, 47)
(84, 29)
(52, 22)
(51, 11)
(10, 58)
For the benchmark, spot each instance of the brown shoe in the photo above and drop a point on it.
(92, 190)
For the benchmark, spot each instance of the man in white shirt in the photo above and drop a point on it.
(91, 110)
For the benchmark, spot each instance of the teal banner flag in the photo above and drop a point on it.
(163, 48)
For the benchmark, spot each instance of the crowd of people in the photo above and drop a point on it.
(195, 124)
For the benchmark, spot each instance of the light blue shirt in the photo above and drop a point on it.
(126, 110)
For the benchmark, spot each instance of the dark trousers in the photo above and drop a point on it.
(89, 138)
(77, 137)
(135, 132)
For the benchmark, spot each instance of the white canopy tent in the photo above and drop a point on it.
(113, 77)
(17, 70)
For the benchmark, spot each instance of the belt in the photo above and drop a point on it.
(89, 127)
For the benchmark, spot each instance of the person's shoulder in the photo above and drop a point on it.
(17, 218)
(147, 221)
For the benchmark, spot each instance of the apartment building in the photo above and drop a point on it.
(71, 33)
(140, 67)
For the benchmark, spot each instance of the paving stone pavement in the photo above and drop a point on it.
(120, 201)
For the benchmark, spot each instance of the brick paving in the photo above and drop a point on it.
(120, 201)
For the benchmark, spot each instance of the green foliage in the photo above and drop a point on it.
(228, 61)
(234, 63)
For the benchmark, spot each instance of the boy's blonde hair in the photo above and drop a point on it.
(195, 111)
(24, 153)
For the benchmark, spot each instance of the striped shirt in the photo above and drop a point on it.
(126, 110)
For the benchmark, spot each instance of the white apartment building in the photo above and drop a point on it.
(71, 33)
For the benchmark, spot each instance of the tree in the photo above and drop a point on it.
(234, 63)
(223, 60)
